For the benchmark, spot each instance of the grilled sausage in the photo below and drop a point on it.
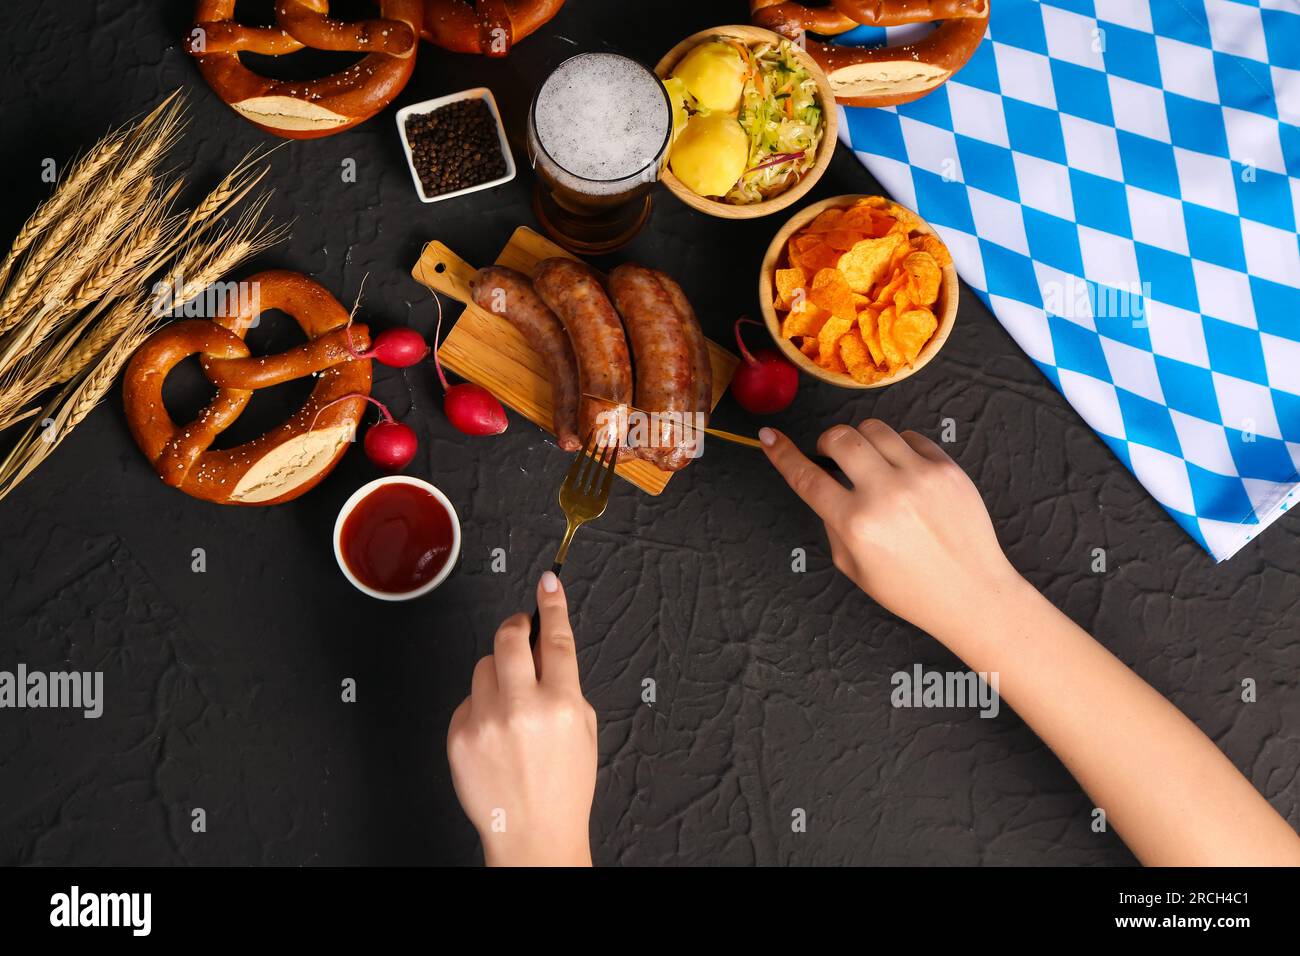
(702, 397)
(574, 293)
(508, 293)
(664, 372)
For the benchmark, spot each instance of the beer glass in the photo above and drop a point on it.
(598, 134)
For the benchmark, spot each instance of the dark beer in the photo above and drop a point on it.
(598, 135)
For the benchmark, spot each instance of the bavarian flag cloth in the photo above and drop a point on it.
(1119, 181)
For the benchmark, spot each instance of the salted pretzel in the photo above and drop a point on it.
(311, 108)
(286, 461)
(490, 27)
(305, 109)
(885, 76)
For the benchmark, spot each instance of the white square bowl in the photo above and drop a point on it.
(428, 106)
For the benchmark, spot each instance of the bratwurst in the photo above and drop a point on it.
(574, 293)
(508, 293)
(665, 367)
(702, 392)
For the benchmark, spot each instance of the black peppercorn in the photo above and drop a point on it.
(455, 146)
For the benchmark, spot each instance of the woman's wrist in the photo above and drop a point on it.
(500, 849)
(984, 609)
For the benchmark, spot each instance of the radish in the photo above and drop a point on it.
(766, 380)
(470, 408)
(397, 347)
(389, 444)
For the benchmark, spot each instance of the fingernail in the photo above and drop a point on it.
(767, 436)
(550, 583)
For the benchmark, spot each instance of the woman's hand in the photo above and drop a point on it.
(912, 530)
(522, 746)
(914, 534)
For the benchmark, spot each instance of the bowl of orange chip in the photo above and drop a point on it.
(858, 291)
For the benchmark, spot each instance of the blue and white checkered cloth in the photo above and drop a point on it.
(1119, 181)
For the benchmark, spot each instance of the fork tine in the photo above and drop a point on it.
(571, 478)
(608, 478)
(592, 473)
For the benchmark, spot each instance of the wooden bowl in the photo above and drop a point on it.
(945, 308)
(825, 150)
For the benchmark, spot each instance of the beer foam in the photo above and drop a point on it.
(602, 118)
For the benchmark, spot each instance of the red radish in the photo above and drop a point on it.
(398, 347)
(390, 445)
(766, 380)
(470, 408)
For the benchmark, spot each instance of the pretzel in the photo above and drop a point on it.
(308, 108)
(490, 27)
(286, 461)
(313, 108)
(885, 76)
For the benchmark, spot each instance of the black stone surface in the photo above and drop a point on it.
(223, 687)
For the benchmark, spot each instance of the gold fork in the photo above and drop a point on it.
(583, 495)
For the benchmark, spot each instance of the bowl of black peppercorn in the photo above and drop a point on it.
(455, 144)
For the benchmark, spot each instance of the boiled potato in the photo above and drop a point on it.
(715, 74)
(677, 96)
(710, 154)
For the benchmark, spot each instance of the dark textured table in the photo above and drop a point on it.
(772, 687)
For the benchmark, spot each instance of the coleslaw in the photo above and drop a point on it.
(780, 113)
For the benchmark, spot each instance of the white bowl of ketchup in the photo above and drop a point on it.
(397, 538)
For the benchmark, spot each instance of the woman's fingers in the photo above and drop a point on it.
(925, 447)
(822, 493)
(856, 456)
(514, 658)
(483, 685)
(887, 442)
(557, 655)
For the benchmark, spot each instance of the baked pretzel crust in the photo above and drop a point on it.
(288, 460)
(885, 76)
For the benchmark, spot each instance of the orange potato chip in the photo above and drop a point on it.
(856, 358)
(804, 321)
(885, 294)
(814, 255)
(866, 263)
(832, 364)
(789, 282)
(831, 291)
(829, 219)
(908, 219)
(870, 332)
(810, 347)
(893, 355)
(924, 275)
(872, 223)
(843, 239)
(935, 247)
(828, 338)
(911, 330)
(905, 216)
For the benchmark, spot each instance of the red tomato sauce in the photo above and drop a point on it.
(397, 538)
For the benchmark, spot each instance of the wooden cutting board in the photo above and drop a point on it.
(486, 349)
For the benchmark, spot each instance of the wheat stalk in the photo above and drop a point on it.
(49, 294)
(73, 403)
(82, 173)
(228, 193)
(163, 122)
(76, 308)
(35, 267)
